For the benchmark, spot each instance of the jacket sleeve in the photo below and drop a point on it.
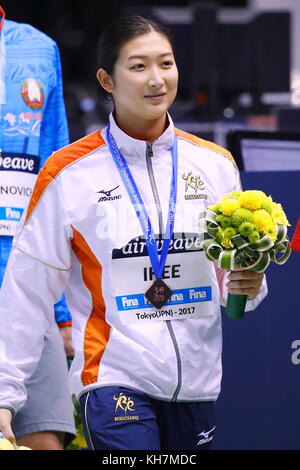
(54, 135)
(37, 273)
(54, 128)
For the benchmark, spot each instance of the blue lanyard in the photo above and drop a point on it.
(158, 264)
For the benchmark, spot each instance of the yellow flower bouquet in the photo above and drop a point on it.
(5, 444)
(247, 229)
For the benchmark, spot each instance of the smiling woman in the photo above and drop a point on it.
(124, 246)
(142, 80)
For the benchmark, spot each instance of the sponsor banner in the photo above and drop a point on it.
(20, 162)
(11, 213)
(180, 243)
(179, 296)
(18, 173)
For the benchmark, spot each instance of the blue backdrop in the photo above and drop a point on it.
(259, 405)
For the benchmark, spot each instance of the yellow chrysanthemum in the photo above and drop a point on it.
(226, 242)
(80, 442)
(278, 215)
(271, 232)
(235, 194)
(252, 199)
(228, 206)
(215, 208)
(263, 220)
(268, 204)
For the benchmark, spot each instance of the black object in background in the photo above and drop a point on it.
(270, 33)
(284, 147)
(288, 119)
(219, 60)
(254, 57)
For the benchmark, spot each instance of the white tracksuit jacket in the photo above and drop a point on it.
(81, 236)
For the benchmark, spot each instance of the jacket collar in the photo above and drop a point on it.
(130, 147)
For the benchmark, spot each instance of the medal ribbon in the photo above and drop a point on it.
(157, 263)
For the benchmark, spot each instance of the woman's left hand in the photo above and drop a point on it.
(245, 282)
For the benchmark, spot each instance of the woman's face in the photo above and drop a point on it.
(145, 77)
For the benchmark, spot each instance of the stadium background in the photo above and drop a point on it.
(259, 404)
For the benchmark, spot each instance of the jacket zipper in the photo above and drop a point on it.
(149, 155)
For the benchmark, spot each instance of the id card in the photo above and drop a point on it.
(186, 273)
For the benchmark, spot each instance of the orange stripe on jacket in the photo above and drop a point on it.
(64, 323)
(204, 143)
(97, 330)
(60, 160)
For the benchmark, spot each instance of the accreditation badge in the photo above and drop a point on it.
(187, 273)
(18, 173)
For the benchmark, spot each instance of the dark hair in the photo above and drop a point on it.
(116, 34)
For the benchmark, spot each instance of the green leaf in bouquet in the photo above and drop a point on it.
(281, 232)
(239, 241)
(264, 244)
(262, 263)
(281, 256)
(211, 249)
(226, 259)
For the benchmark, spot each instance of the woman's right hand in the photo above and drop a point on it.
(5, 425)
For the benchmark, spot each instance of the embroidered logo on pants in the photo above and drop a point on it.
(125, 404)
(205, 436)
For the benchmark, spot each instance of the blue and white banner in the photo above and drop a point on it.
(179, 296)
(11, 213)
(18, 174)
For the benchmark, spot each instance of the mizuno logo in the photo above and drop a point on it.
(107, 195)
(205, 436)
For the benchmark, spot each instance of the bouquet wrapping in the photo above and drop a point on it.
(246, 229)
